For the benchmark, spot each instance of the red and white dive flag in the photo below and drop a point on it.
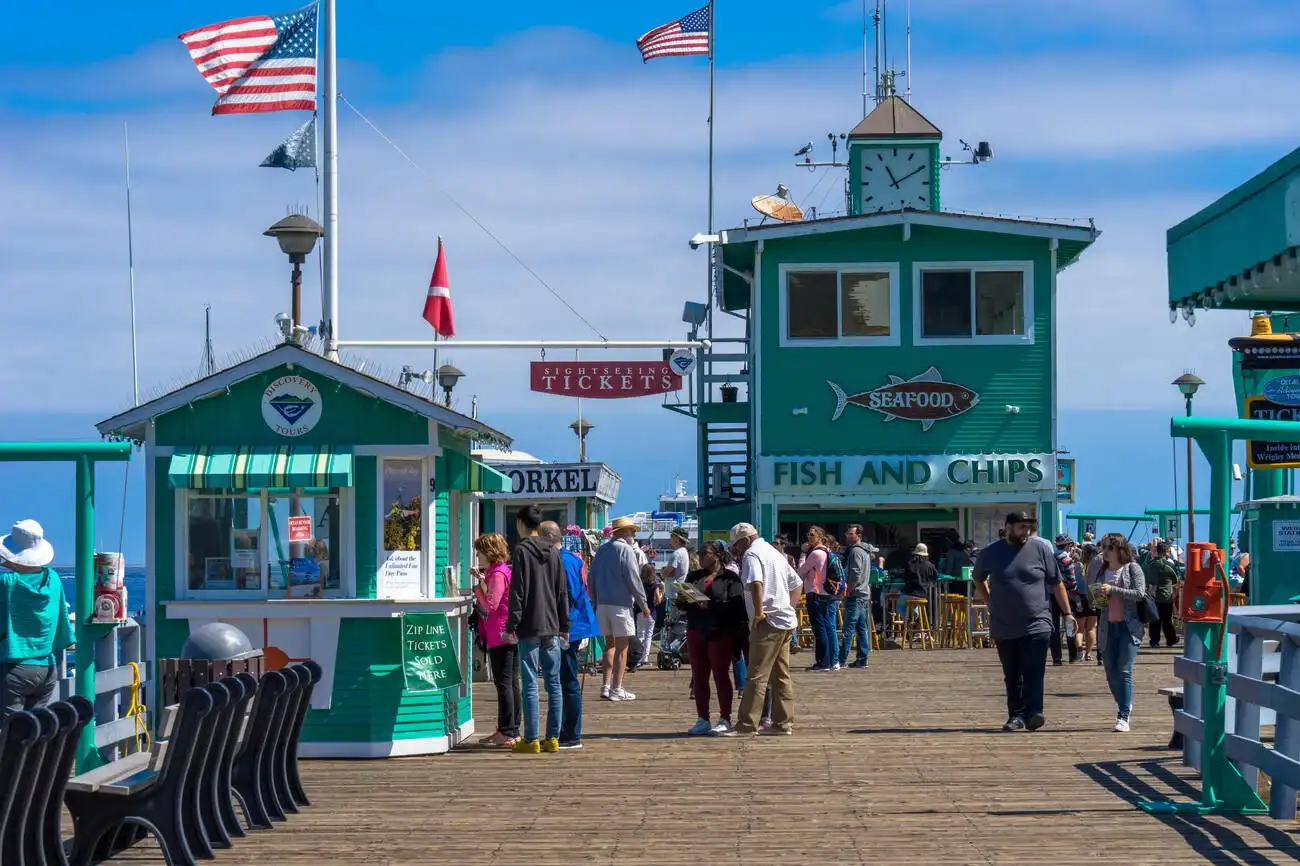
(437, 306)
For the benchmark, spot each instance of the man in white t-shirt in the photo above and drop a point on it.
(771, 599)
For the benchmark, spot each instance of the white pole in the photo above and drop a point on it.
(328, 103)
(908, 72)
(130, 265)
(525, 344)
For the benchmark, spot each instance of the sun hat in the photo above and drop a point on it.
(25, 545)
(921, 550)
(621, 523)
(743, 530)
(681, 532)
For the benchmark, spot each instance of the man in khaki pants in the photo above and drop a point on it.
(771, 600)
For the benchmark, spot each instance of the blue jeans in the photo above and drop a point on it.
(824, 611)
(1117, 657)
(545, 650)
(855, 626)
(571, 684)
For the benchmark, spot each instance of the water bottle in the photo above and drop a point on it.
(1070, 626)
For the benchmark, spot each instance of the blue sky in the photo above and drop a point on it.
(542, 120)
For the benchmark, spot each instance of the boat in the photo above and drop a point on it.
(677, 508)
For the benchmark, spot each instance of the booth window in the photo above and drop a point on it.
(402, 507)
(855, 304)
(265, 542)
(988, 304)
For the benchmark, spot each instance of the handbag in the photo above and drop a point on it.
(1147, 612)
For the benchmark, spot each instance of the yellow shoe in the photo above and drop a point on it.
(550, 744)
(526, 747)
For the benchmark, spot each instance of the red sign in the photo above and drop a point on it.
(925, 397)
(604, 380)
(299, 528)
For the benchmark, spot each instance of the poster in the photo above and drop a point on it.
(1286, 536)
(429, 661)
(299, 528)
(1172, 526)
(1065, 479)
(399, 575)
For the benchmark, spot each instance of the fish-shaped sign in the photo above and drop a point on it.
(926, 398)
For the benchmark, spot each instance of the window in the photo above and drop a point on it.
(988, 302)
(282, 543)
(558, 513)
(402, 507)
(825, 305)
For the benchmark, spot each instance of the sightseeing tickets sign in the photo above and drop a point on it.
(605, 380)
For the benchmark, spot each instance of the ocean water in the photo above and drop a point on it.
(135, 583)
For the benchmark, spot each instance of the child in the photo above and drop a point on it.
(645, 625)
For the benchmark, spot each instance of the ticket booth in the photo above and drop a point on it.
(1272, 532)
(326, 513)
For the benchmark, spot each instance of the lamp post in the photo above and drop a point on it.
(581, 428)
(1188, 384)
(296, 234)
(448, 376)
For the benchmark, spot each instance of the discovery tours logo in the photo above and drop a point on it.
(926, 398)
(291, 406)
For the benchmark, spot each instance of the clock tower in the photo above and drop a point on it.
(894, 160)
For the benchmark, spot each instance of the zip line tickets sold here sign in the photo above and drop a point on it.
(429, 661)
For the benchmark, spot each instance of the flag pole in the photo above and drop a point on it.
(434, 389)
(327, 99)
(130, 264)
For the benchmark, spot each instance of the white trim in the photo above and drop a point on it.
(430, 450)
(891, 269)
(311, 608)
(1026, 268)
(1053, 245)
(394, 749)
(755, 375)
(150, 556)
(939, 219)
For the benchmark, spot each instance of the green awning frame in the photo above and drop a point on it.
(261, 467)
(485, 479)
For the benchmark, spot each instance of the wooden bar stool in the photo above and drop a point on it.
(954, 629)
(979, 625)
(916, 624)
(893, 620)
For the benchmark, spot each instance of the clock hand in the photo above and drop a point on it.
(892, 180)
(910, 173)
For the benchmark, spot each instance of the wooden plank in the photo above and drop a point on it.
(121, 768)
(112, 679)
(113, 732)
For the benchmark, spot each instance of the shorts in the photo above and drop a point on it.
(615, 621)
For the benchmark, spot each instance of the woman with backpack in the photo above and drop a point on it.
(823, 578)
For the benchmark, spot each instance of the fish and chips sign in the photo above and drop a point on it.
(895, 473)
(925, 398)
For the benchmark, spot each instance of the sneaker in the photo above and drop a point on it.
(604, 693)
(764, 724)
(621, 694)
(700, 728)
(774, 731)
(1035, 721)
(859, 665)
(817, 669)
(835, 666)
(527, 747)
(1014, 724)
(1121, 726)
(722, 729)
(550, 744)
(568, 745)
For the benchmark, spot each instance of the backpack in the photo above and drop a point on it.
(835, 574)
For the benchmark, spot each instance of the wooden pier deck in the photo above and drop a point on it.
(901, 763)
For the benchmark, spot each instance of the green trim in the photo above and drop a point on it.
(485, 479)
(259, 467)
(367, 533)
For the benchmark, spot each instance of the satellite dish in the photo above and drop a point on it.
(778, 205)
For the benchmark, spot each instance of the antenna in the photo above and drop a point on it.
(130, 264)
(778, 205)
(865, 109)
(907, 71)
(209, 359)
(876, 70)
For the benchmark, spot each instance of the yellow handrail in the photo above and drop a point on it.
(136, 711)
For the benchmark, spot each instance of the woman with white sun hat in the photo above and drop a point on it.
(34, 621)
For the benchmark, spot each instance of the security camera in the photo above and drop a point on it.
(699, 239)
(284, 324)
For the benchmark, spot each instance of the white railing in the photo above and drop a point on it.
(1263, 645)
(114, 655)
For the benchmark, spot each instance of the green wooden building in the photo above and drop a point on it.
(900, 364)
(312, 505)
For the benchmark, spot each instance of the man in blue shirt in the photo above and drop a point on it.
(34, 622)
(582, 628)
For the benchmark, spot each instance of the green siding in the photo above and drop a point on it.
(370, 704)
(235, 418)
(169, 634)
(365, 480)
(1018, 375)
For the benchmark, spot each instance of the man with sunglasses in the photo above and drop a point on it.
(1020, 576)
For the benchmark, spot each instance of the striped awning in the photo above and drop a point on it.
(261, 467)
(485, 479)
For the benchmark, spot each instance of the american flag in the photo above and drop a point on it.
(689, 35)
(262, 63)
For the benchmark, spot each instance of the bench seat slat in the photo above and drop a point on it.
(108, 773)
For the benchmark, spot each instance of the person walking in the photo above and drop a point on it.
(1019, 576)
(1162, 580)
(1121, 589)
(857, 597)
(614, 582)
(822, 600)
(538, 620)
(1086, 615)
(772, 596)
(34, 621)
(492, 599)
(1070, 578)
(582, 628)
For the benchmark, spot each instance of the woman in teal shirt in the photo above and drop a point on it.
(34, 622)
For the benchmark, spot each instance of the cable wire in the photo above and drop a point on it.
(415, 165)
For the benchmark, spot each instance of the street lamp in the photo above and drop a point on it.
(448, 376)
(1188, 384)
(296, 234)
(581, 428)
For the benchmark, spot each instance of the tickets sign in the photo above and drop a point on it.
(606, 380)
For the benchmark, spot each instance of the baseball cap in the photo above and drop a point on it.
(742, 530)
(1020, 517)
(1064, 540)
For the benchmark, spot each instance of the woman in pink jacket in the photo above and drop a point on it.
(492, 596)
(821, 595)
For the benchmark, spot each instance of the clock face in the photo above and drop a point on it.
(893, 178)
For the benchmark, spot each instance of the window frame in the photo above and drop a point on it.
(1026, 269)
(346, 557)
(428, 506)
(892, 269)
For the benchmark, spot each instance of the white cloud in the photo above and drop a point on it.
(594, 175)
